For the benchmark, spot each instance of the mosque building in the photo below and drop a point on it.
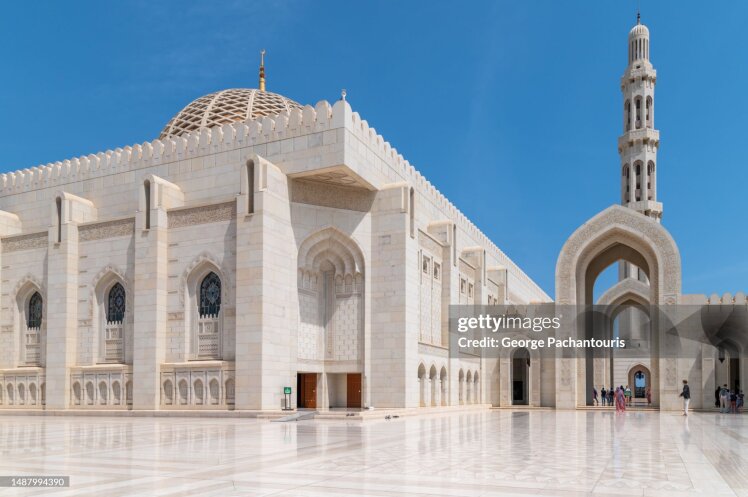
(259, 244)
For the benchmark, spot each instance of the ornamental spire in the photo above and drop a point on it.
(262, 70)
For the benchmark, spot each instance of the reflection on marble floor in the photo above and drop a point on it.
(549, 453)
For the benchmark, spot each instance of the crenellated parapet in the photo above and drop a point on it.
(228, 137)
(727, 299)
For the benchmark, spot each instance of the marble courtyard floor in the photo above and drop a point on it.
(484, 453)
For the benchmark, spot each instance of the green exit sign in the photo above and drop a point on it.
(286, 390)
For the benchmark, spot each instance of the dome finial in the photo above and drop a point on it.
(638, 17)
(262, 70)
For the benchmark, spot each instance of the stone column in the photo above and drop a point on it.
(62, 294)
(266, 302)
(61, 313)
(708, 376)
(150, 304)
(394, 301)
(10, 225)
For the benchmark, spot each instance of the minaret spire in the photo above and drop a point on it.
(262, 70)
(638, 144)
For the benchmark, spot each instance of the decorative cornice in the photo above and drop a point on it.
(201, 215)
(108, 229)
(25, 242)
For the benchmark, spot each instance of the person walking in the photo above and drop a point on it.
(594, 396)
(686, 394)
(604, 395)
(611, 393)
(649, 396)
(620, 400)
(734, 402)
(627, 394)
(724, 395)
(741, 399)
(716, 396)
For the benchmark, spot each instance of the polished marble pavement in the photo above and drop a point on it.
(484, 453)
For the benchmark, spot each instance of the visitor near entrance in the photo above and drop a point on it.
(686, 394)
(724, 399)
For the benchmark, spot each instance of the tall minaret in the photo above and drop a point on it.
(639, 142)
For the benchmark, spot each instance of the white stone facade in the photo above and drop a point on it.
(293, 246)
(335, 257)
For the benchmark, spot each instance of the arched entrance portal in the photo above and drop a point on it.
(628, 316)
(521, 377)
(639, 380)
(616, 234)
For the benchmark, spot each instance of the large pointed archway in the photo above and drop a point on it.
(615, 234)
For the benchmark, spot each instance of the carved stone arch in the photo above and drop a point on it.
(23, 289)
(613, 234)
(631, 377)
(433, 372)
(199, 265)
(421, 371)
(627, 289)
(334, 258)
(103, 281)
(21, 294)
(327, 241)
(626, 293)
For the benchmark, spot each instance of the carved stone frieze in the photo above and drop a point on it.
(202, 215)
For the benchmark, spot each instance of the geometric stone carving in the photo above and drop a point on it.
(24, 242)
(109, 229)
(202, 215)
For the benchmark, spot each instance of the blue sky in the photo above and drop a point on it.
(511, 109)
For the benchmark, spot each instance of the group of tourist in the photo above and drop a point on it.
(620, 397)
(728, 401)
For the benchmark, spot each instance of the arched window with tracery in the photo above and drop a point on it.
(114, 334)
(209, 317)
(638, 184)
(33, 332)
(626, 184)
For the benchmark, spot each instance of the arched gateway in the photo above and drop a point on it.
(615, 234)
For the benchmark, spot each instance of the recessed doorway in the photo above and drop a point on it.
(306, 390)
(353, 391)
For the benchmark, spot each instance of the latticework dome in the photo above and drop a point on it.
(227, 106)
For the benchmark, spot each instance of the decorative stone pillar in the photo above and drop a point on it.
(62, 294)
(266, 303)
(394, 301)
(151, 288)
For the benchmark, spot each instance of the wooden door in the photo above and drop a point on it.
(309, 390)
(354, 391)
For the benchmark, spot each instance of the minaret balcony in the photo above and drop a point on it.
(638, 71)
(639, 135)
(646, 206)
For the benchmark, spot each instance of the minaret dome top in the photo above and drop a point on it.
(638, 42)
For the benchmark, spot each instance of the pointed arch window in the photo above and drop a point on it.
(114, 332)
(209, 317)
(210, 295)
(34, 316)
(116, 303)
